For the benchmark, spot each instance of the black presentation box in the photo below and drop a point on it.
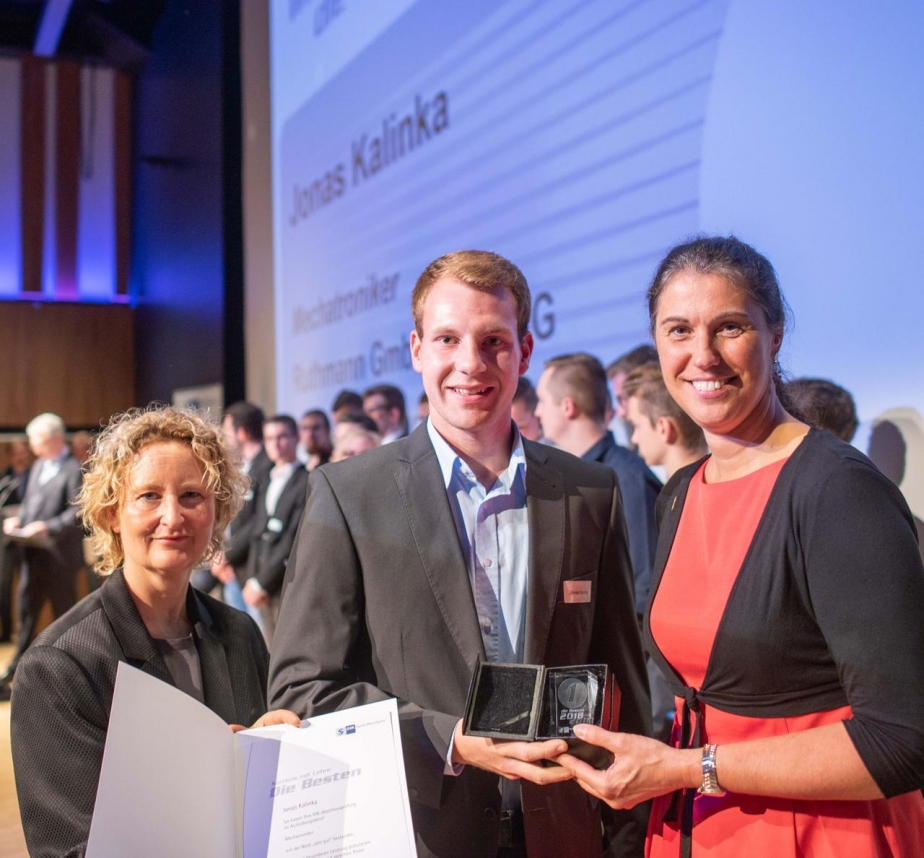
(530, 702)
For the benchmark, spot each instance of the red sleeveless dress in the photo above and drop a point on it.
(709, 549)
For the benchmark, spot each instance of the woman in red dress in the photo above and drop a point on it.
(786, 608)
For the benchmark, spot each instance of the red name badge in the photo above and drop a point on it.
(577, 592)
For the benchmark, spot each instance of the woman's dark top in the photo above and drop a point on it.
(63, 694)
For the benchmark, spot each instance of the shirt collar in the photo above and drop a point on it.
(449, 460)
(286, 470)
(600, 449)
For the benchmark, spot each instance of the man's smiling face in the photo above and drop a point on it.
(470, 357)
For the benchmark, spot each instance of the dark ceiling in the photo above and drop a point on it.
(111, 32)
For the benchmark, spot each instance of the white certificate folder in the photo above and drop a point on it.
(176, 781)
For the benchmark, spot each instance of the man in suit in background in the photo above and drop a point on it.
(12, 490)
(52, 539)
(574, 403)
(242, 425)
(384, 403)
(458, 544)
(279, 504)
(345, 403)
(314, 441)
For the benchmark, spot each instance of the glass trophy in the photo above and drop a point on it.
(572, 698)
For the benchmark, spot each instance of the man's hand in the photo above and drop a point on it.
(510, 759)
(35, 528)
(255, 595)
(271, 719)
(10, 524)
(222, 570)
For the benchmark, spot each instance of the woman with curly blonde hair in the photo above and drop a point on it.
(160, 488)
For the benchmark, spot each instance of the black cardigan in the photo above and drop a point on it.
(827, 609)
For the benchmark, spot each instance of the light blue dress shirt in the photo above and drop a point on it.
(493, 530)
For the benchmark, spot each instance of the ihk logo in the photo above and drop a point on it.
(350, 728)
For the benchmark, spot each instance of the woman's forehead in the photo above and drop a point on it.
(164, 459)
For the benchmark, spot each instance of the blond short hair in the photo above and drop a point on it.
(478, 269)
(117, 449)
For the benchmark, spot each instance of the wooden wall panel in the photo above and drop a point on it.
(77, 360)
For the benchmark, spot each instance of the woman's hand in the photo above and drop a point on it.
(641, 769)
(271, 719)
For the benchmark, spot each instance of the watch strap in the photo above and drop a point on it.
(710, 784)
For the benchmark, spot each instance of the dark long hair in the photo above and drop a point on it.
(741, 265)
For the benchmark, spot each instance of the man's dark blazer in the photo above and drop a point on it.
(237, 545)
(640, 489)
(11, 494)
(53, 503)
(272, 536)
(63, 694)
(378, 604)
(50, 573)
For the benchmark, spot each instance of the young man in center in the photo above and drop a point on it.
(457, 544)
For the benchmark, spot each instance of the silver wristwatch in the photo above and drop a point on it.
(710, 785)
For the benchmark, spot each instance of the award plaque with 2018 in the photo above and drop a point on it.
(572, 697)
(533, 703)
